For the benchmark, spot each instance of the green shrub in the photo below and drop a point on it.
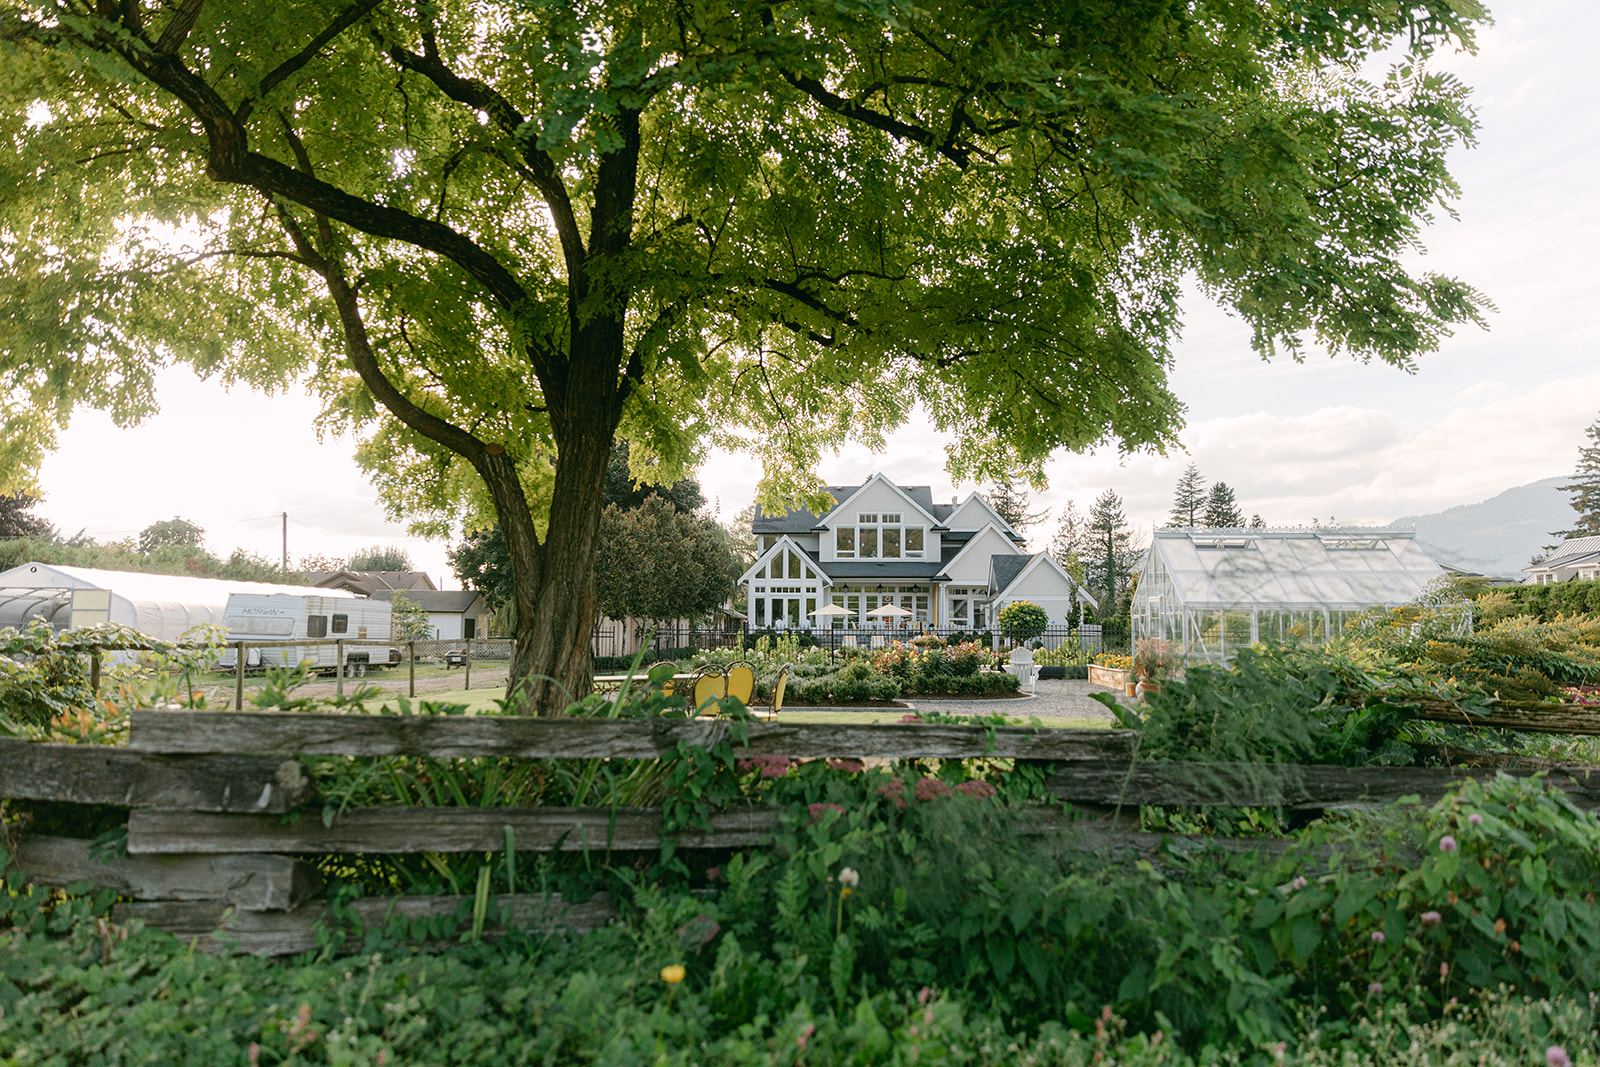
(1022, 620)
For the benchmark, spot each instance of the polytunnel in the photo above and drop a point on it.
(1208, 593)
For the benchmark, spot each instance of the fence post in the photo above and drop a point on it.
(238, 676)
(467, 663)
(338, 651)
(412, 646)
(94, 672)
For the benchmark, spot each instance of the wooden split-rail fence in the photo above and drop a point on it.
(214, 850)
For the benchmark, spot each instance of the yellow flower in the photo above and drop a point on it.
(672, 975)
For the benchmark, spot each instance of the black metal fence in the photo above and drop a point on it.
(617, 642)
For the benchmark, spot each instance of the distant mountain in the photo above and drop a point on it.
(1500, 535)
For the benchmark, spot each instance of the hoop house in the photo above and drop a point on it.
(1210, 592)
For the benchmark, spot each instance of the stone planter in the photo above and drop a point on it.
(1111, 677)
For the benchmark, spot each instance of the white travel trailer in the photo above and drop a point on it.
(323, 619)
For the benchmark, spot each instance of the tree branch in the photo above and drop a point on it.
(355, 13)
(178, 28)
(959, 154)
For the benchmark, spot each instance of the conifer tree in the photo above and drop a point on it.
(1109, 549)
(1221, 508)
(1010, 502)
(1188, 499)
(1070, 542)
(1585, 487)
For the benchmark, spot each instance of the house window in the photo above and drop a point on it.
(341, 624)
(317, 626)
(844, 542)
(880, 535)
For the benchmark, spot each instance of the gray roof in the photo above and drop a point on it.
(438, 601)
(799, 520)
(366, 583)
(1003, 570)
(1569, 551)
(869, 570)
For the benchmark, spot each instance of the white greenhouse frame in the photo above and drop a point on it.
(1208, 593)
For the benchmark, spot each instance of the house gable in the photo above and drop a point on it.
(1045, 582)
(970, 566)
(974, 513)
(877, 495)
(781, 551)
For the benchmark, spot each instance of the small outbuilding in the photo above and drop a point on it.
(454, 614)
(1208, 593)
(164, 606)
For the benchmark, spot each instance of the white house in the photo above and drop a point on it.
(950, 565)
(1577, 559)
(455, 614)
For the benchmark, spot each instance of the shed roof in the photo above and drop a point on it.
(1348, 567)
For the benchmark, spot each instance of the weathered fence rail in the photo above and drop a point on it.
(530, 737)
(211, 856)
(100, 774)
(1578, 719)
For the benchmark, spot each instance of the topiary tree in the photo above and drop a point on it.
(1022, 620)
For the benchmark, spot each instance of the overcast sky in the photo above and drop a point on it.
(1325, 438)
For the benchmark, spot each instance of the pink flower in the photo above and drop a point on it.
(913, 717)
(928, 788)
(1447, 843)
(1475, 819)
(1556, 1056)
(1444, 970)
(713, 874)
(853, 766)
(1378, 938)
(895, 791)
(805, 1034)
(820, 811)
(976, 789)
(1431, 918)
(1298, 883)
(383, 1057)
(770, 766)
(255, 1053)
(923, 994)
(1374, 987)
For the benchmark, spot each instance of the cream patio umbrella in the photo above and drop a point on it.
(831, 611)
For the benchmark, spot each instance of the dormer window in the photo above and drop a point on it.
(878, 535)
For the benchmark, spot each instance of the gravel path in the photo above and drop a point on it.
(1057, 699)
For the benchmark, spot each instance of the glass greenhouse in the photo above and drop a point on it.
(1209, 593)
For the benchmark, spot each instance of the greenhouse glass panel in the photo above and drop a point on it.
(1209, 593)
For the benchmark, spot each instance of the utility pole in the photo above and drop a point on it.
(285, 540)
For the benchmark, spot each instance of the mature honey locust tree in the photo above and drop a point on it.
(494, 235)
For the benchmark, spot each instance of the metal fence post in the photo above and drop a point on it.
(338, 651)
(238, 676)
(412, 646)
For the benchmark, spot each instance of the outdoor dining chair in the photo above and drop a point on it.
(742, 680)
(710, 686)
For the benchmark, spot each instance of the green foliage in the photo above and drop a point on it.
(1280, 704)
(46, 689)
(125, 556)
(657, 563)
(16, 519)
(1023, 620)
(1545, 603)
(174, 532)
(408, 620)
(380, 558)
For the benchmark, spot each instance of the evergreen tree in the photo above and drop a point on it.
(1585, 487)
(1070, 542)
(1188, 499)
(1010, 502)
(1221, 508)
(1108, 551)
(1257, 522)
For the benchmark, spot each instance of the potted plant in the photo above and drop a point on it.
(1153, 662)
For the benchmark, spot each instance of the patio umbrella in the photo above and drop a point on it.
(829, 611)
(889, 611)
